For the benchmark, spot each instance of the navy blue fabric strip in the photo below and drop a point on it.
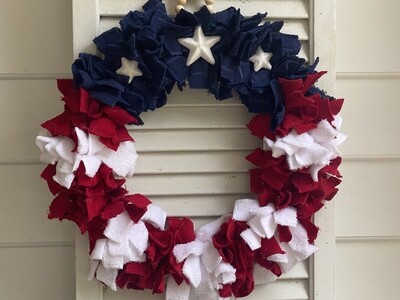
(151, 38)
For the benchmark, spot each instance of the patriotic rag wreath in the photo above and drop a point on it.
(133, 243)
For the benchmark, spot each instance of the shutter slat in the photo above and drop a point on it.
(206, 206)
(173, 162)
(296, 26)
(193, 184)
(281, 289)
(194, 140)
(299, 271)
(277, 9)
(199, 117)
(305, 51)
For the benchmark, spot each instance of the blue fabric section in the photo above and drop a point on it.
(151, 38)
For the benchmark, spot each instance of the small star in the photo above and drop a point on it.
(261, 60)
(129, 68)
(199, 46)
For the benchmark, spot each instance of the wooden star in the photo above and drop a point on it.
(199, 46)
(129, 68)
(261, 60)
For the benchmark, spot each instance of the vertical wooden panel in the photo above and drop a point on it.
(35, 36)
(368, 244)
(368, 196)
(25, 105)
(368, 36)
(370, 115)
(324, 47)
(37, 273)
(368, 270)
(36, 254)
(24, 201)
(85, 25)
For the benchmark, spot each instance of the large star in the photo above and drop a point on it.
(129, 68)
(261, 60)
(199, 46)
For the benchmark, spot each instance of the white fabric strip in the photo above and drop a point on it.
(125, 242)
(203, 265)
(314, 149)
(263, 222)
(90, 151)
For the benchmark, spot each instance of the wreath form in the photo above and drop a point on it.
(133, 243)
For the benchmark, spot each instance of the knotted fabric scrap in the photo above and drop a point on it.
(203, 266)
(90, 151)
(263, 222)
(126, 241)
(315, 148)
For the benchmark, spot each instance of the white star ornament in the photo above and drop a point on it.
(261, 60)
(199, 46)
(129, 68)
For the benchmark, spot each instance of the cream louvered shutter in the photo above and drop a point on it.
(192, 151)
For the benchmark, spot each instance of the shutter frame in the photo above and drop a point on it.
(320, 16)
(323, 262)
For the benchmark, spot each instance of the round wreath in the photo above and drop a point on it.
(133, 243)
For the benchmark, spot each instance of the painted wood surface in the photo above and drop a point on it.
(38, 49)
(191, 153)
